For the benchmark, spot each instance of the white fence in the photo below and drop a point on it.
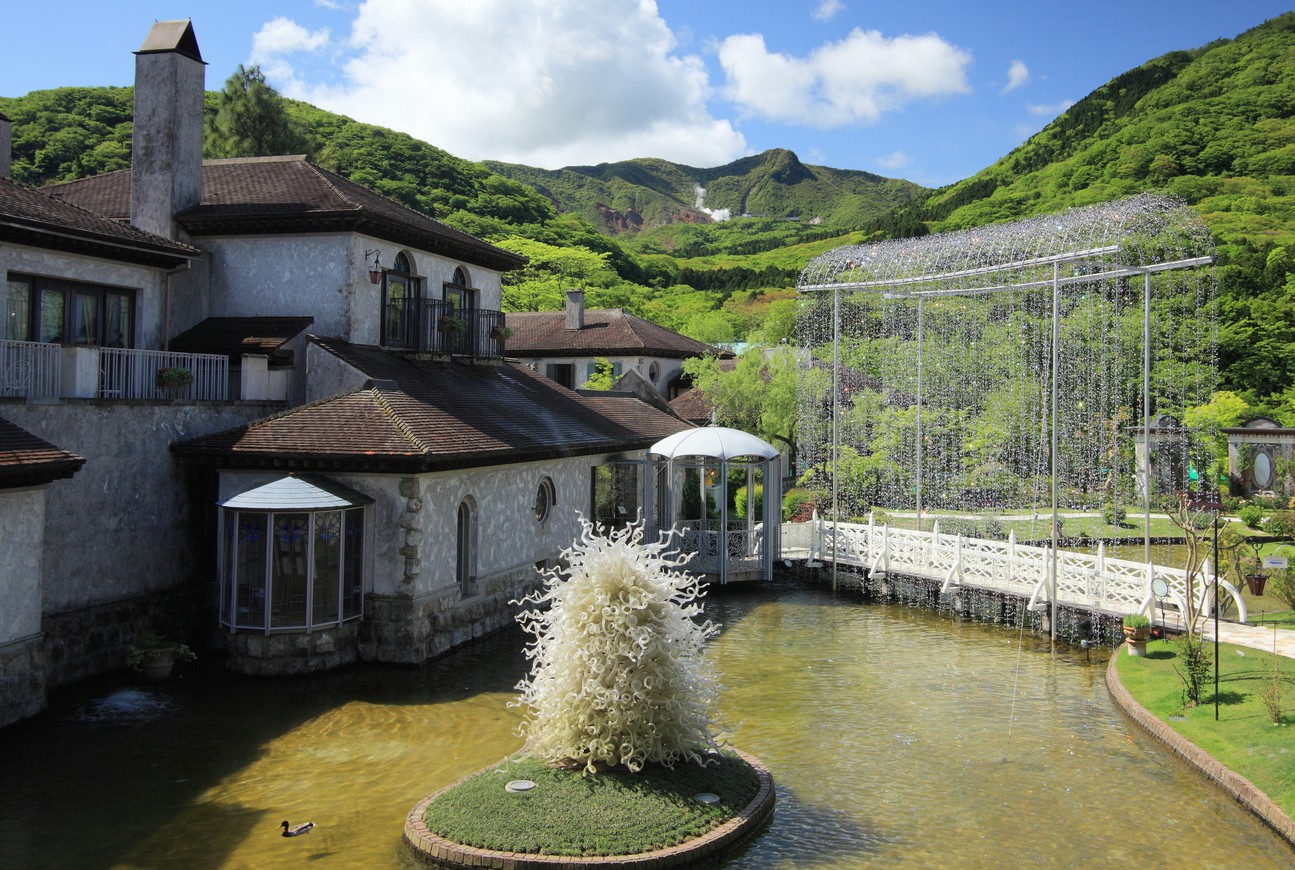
(133, 374)
(29, 368)
(1092, 582)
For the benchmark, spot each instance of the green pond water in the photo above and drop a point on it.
(897, 737)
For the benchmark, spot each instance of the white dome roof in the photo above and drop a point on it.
(714, 442)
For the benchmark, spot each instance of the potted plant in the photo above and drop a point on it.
(174, 378)
(449, 324)
(156, 655)
(1137, 631)
(499, 332)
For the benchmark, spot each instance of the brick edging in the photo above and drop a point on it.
(1245, 791)
(440, 852)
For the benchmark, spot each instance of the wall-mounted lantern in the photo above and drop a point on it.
(375, 271)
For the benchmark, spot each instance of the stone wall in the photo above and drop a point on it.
(22, 679)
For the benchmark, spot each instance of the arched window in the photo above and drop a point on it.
(460, 302)
(465, 553)
(400, 297)
(292, 556)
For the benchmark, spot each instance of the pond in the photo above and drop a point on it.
(896, 736)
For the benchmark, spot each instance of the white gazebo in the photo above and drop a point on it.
(703, 471)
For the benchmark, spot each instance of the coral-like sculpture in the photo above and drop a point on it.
(618, 668)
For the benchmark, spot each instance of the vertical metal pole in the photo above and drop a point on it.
(920, 452)
(1146, 417)
(836, 388)
(1056, 333)
(1215, 569)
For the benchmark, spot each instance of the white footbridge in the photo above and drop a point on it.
(1082, 580)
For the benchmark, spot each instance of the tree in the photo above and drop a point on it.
(251, 120)
(1193, 521)
(603, 377)
(761, 394)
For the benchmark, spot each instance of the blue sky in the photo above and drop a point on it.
(930, 91)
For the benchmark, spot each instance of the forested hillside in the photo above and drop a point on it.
(1214, 125)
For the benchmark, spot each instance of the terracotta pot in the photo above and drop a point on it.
(1137, 634)
(157, 665)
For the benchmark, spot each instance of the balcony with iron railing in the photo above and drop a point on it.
(434, 326)
(35, 370)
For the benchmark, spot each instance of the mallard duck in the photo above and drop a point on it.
(296, 830)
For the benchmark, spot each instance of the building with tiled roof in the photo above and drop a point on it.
(393, 473)
(564, 345)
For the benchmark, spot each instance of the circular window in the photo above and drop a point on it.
(654, 371)
(1263, 471)
(544, 500)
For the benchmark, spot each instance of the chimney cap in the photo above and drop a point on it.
(176, 36)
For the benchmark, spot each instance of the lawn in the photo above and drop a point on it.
(1244, 738)
(610, 813)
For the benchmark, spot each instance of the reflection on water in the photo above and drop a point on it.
(897, 737)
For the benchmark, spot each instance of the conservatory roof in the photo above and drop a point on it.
(1133, 236)
(298, 492)
(712, 442)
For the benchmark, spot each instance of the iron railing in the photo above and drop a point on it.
(434, 326)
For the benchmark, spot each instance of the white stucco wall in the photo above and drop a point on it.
(325, 276)
(328, 375)
(147, 282)
(413, 528)
(119, 527)
(22, 530)
(283, 276)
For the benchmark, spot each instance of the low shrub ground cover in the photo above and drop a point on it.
(1245, 738)
(612, 812)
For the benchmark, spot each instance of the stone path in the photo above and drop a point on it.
(1255, 636)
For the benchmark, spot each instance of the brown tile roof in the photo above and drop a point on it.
(26, 460)
(268, 195)
(418, 415)
(42, 220)
(692, 406)
(607, 332)
(234, 336)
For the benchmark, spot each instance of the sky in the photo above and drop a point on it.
(930, 91)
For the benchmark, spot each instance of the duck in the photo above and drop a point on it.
(296, 830)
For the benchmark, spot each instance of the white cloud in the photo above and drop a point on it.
(855, 80)
(281, 36)
(894, 161)
(1017, 75)
(1049, 111)
(827, 10)
(544, 82)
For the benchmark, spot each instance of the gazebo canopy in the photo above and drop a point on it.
(712, 442)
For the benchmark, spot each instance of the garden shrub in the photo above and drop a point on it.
(1113, 513)
(1282, 584)
(739, 501)
(1251, 514)
(798, 505)
(1280, 525)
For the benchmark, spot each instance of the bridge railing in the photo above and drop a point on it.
(1087, 580)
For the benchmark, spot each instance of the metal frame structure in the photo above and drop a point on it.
(1138, 236)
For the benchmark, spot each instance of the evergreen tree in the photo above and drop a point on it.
(250, 120)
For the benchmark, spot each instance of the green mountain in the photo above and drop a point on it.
(635, 195)
(1215, 126)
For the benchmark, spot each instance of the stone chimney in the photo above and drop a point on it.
(575, 309)
(6, 146)
(166, 161)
